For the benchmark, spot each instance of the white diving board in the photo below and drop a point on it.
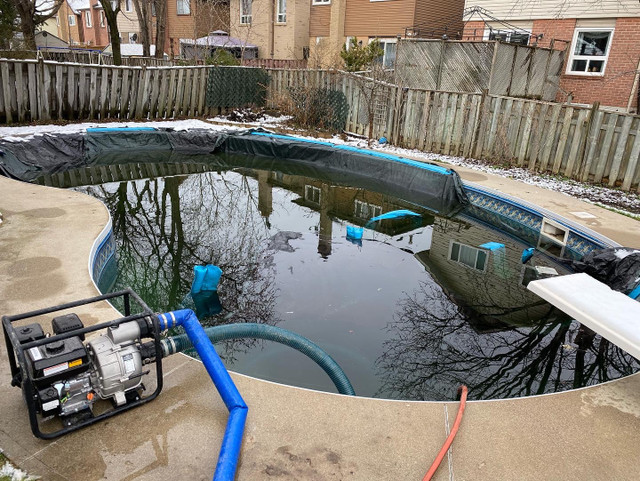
(611, 314)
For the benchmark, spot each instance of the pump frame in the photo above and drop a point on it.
(20, 376)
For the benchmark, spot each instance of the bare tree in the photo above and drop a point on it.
(161, 26)
(143, 11)
(33, 13)
(111, 9)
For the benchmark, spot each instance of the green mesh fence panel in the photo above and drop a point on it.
(230, 87)
(319, 108)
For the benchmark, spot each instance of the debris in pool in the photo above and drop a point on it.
(280, 241)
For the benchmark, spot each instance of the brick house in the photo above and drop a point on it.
(69, 22)
(82, 23)
(602, 41)
(317, 29)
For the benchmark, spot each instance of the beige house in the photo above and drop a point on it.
(280, 29)
(317, 29)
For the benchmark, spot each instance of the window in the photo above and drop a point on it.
(133, 37)
(388, 58)
(184, 7)
(128, 5)
(282, 11)
(245, 11)
(364, 210)
(589, 51)
(87, 18)
(321, 2)
(469, 256)
(312, 194)
(102, 18)
(57, 20)
(72, 20)
(347, 43)
(153, 9)
(520, 37)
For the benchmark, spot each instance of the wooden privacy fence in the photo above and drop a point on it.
(582, 143)
(39, 90)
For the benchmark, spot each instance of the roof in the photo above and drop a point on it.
(219, 38)
(131, 49)
(77, 5)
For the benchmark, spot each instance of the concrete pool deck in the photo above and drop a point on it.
(296, 434)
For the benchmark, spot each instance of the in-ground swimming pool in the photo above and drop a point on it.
(413, 311)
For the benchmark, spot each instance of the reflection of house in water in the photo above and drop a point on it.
(486, 283)
(351, 204)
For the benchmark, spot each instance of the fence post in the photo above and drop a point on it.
(585, 141)
(481, 125)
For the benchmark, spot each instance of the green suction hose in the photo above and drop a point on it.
(180, 343)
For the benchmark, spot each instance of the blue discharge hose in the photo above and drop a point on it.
(183, 342)
(232, 440)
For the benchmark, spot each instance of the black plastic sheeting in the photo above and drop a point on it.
(423, 184)
(618, 267)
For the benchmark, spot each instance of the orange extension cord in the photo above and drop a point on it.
(452, 434)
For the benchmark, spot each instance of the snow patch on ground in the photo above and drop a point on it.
(23, 133)
(13, 473)
(621, 254)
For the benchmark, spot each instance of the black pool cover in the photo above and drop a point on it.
(428, 185)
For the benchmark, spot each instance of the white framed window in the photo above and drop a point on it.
(321, 2)
(102, 18)
(132, 37)
(128, 5)
(183, 7)
(72, 20)
(282, 11)
(589, 51)
(57, 20)
(388, 45)
(519, 37)
(245, 11)
(364, 210)
(87, 18)
(312, 194)
(468, 256)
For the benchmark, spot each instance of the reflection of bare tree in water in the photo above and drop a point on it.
(433, 349)
(165, 226)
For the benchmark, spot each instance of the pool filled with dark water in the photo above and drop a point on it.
(411, 312)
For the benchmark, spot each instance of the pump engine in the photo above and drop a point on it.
(64, 376)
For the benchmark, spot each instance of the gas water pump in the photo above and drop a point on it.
(72, 382)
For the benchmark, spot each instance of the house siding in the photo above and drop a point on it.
(438, 14)
(365, 18)
(319, 20)
(550, 9)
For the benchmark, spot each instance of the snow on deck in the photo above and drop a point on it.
(613, 315)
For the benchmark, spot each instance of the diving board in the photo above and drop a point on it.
(611, 314)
